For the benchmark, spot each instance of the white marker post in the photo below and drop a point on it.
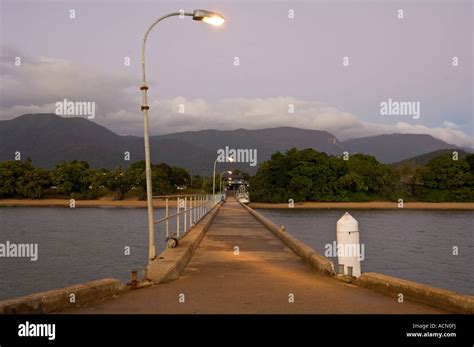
(348, 245)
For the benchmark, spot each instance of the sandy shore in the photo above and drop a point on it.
(79, 203)
(308, 205)
(383, 205)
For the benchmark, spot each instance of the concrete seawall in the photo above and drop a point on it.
(313, 258)
(417, 292)
(61, 299)
(171, 262)
(392, 286)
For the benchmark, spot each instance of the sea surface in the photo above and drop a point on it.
(411, 244)
(85, 244)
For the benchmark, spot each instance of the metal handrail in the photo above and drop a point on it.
(177, 195)
(199, 206)
(176, 214)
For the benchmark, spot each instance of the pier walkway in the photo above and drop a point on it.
(265, 276)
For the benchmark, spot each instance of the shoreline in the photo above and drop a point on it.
(373, 205)
(79, 203)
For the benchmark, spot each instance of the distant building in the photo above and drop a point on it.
(235, 181)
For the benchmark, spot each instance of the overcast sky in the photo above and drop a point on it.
(283, 61)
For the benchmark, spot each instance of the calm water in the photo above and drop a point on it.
(414, 245)
(74, 246)
(84, 244)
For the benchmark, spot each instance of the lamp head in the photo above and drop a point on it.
(208, 17)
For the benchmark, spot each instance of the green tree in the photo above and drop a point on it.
(379, 180)
(76, 179)
(10, 173)
(21, 179)
(353, 182)
(119, 181)
(445, 179)
(137, 175)
(470, 161)
(163, 181)
(197, 182)
(160, 176)
(308, 175)
(33, 183)
(179, 177)
(443, 172)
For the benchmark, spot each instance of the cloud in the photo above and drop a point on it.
(450, 125)
(37, 84)
(165, 117)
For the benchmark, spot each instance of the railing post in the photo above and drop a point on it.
(198, 205)
(200, 208)
(190, 211)
(177, 217)
(166, 215)
(185, 214)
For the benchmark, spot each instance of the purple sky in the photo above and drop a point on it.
(282, 61)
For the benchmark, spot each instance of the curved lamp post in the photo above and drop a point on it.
(214, 177)
(199, 15)
(220, 180)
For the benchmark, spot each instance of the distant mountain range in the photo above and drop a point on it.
(392, 148)
(48, 139)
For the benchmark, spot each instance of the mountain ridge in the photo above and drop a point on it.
(48, 139)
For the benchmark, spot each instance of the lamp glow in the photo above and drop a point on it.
(214, 20)
(208, 17)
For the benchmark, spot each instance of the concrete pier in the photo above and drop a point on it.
(240, 266)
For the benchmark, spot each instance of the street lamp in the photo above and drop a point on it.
(214, 177)
(220, 180)
(207, 16)
(199, 15)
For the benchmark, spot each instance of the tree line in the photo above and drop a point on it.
(308, 175)
(301, 175)
(76, 179)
